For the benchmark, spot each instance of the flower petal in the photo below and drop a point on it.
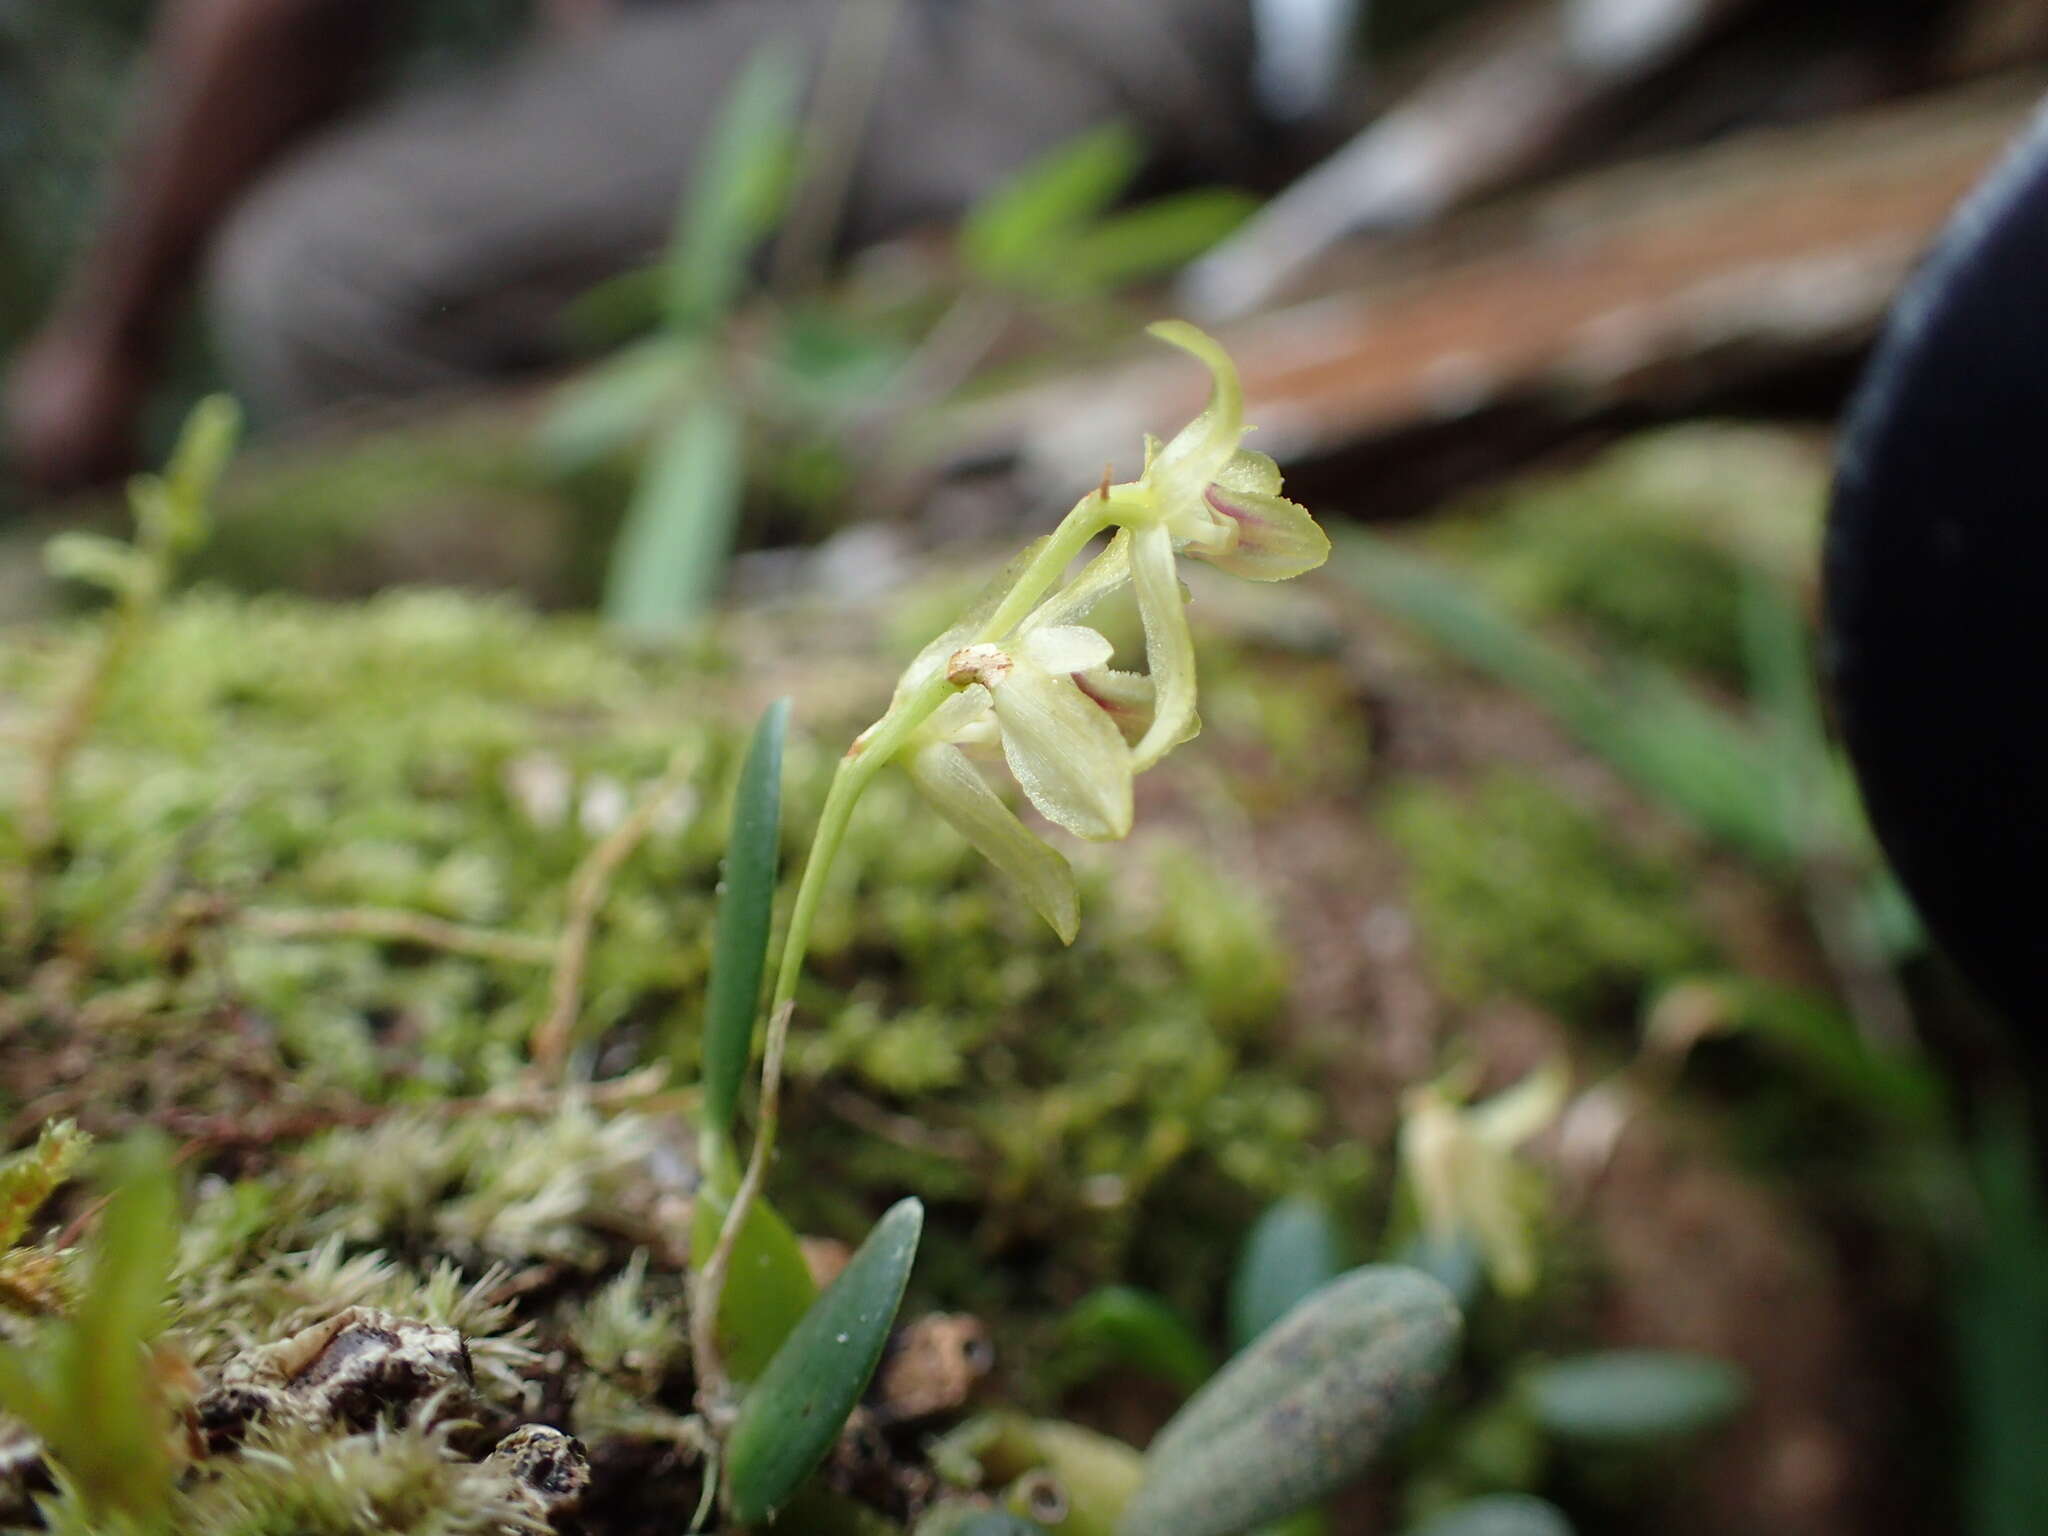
(1250, 470)
(1199, 451)
(1169, 647)
(1126, 697)
(1515, 1114)
(1065, 752)
(931, 661)
(1065, 648)
(1100, 579)
(963, 797)
(1276, 538)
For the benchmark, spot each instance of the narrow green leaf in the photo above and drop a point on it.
(796, 1410)
(1301, 1412)
(1704, 765)
(737, 190)
(205, 444)
(746, 898)
(84, 1383)
(1149, 240)
(598, 414)
(1998, 1319)
(96, 560)
(769, 1286)
(1631, 1396)
(671, 553)
(1293, 1250)
(1133, 1327)
(1018, 233)
(1502, 1514)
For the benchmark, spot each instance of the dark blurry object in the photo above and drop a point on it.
(1937, 584)
(437, 240)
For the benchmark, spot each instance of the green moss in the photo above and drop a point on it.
(265, 759)
(1518, 891)
(458, 496)
(1647, 543)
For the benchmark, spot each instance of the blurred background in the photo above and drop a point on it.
(773, 316)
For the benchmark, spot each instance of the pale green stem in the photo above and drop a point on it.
(880, 742)
(870, 751)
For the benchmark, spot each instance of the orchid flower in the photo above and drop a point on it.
(1062, 747)
(1203, 495)
(1468, 1182)
(1021, 673)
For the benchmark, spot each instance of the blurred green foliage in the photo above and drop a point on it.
(1519, 891)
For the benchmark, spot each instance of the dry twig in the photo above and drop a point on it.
(708, 1289)
(587, 889)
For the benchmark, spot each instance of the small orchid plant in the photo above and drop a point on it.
(1022, 674)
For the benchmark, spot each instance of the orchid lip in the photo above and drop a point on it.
(1218, 499)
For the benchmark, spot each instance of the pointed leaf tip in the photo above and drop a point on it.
(797, 1409)
(745, 910)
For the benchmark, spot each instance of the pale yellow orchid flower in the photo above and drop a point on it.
(1468, 1182)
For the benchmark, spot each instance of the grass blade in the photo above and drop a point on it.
(737, 191)
(1652, 729)
(1016, 236)
(746, 898)
(671, 554)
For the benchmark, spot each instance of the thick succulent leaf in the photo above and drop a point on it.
(1017, 235)
(1301, 1412)
(739, 946)
(957, 791)
(1276, 538)
(1293, 1251)
(769, 1285)
(1622, 1397)
(1500, 1514)
(603, 411)
(790, 1418)
(1065, 752)
(1169, 647)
